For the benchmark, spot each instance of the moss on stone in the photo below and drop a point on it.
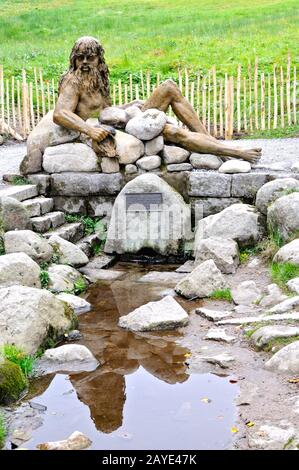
(12, 382)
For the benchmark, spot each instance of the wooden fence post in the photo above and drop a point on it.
(275, 98)
(281, 97)
(1, 98)
(239, 99)
(215, 128)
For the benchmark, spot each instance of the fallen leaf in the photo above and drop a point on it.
(294, 380)
(249, 424)
(234, 430)
(187, 355)
(233, 381)
(206, 400)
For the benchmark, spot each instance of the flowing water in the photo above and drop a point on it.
(141, 396)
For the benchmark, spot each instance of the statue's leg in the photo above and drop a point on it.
(168, 94)
(201, 143)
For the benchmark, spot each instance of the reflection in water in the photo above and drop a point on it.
(141, 396)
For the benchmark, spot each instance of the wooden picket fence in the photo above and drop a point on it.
(251, 100)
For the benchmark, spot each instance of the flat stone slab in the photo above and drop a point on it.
(223, 360)
(260, 319)
(266, 334)
(163, 314)
(187, 267)
(212, 315)
(100, 262)
(286, 305)
(209, 184)
(94, 275)
(78, 304)
(164, 277)
(219, 334)
(19, 192)
(86, 184)
(72, 232)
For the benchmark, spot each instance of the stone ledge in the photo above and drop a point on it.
(86, 184)
(209, 184)
(247, 185)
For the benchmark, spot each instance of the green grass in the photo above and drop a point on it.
(2, 431)
(19, 180)
(44, 279)
(279, 343)
(222, 294)
(157, 35)
(91, 224)
(19, 357)
(281, 273)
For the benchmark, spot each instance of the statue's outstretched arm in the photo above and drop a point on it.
(65, 115)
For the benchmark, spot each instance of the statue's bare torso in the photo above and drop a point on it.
(78, 100)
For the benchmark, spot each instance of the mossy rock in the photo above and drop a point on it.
(12, 382)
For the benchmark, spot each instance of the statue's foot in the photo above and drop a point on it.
(252, 155)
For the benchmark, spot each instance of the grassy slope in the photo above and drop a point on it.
(157, 35)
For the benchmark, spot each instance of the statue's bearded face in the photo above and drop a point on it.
(86, 61)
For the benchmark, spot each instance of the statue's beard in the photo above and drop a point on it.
(89, 79)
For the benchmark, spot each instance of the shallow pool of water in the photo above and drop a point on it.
(141, 396)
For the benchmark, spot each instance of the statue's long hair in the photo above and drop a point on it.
(98, 80)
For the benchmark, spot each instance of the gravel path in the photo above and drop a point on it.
(278, 154)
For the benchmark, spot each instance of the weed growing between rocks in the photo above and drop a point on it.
(2, 431)
(2, 249)
(275, 344)
(222, 294)
(281, 273)
(19, 180)
(19, 357)
(44, 279)
(79, 286)
(91, 225)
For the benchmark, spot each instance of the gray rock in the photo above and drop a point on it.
(266, 334)
(289, 253)
(38, 206)
(202, 281)
(218, 334)
(67, 358)
(260, 319)
(212, 315)
(70, 157)
(235, 166)
(13, 215)
(110, 165)
(271, 191)
(86, 184)
(204, 184)
(203, 207)
(164, 277)
(269, 437)
(94, 274)
(78, 304)
(163, 314)
(187, 267)
(285, 360)
(173, 154)
(286, 305)
(62, 278)
(51, 220)
(154, 146)
(42, 182)
(130, 169)
(67, 252)
(101, 261)
(70, 204)
(295, 167)
(128, 148)
(205, 162)
(247, 185)
(73, 335)
(100, 206)
(114, 116)
(283, 216)
(179, 167)
(133, 111)
(246, 293)
(76, 441)
(223, 360)
(29, 317)
(240, 222)
(45, 134)
(223, 251)
(293, 285)
(18, 192)
(28, 242)
(19, 269)
(273, 297)
(149, 163)
(130, 230)
(148, 125)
